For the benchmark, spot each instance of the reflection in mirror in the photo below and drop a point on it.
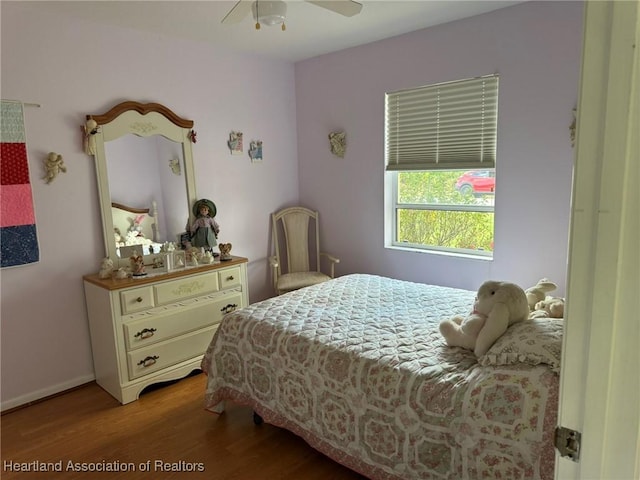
(145, 176)
(145, 173)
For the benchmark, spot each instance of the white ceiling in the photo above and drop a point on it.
(311, 30)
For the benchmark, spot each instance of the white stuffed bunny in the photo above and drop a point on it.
(497, 305)
(538, 292)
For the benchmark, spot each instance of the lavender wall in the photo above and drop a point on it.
(535, 47)
(75, 68)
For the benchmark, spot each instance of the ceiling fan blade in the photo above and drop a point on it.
(348, 8)
(238, 12)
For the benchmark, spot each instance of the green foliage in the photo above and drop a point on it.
(430, 187)
(447, 225)
(467, 230)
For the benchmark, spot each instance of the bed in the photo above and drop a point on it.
(135, 229)
(357, 368)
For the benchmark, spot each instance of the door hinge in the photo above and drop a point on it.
(568, 443)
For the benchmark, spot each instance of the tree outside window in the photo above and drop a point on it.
(446, 210)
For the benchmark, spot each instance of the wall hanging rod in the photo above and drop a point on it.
(26, 104)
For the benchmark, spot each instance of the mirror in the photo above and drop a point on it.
(146, 181)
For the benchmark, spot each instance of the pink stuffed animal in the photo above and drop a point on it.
(136, 225)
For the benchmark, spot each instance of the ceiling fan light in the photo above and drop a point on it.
(269, 12)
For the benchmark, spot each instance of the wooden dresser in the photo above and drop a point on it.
(156, 328)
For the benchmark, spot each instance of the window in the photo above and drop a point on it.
(440, 159)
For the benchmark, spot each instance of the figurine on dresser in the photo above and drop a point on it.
(225, 252)
(106, 268)
(120, 274)
(204, 229)
(137, 264)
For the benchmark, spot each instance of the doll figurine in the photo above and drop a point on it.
(204, 230)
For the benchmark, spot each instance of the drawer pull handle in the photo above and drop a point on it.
(229, 308)
(230, 277)
(145, 333)
(139, 299)
(147, 362)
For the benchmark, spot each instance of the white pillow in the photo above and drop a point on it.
(532, 342)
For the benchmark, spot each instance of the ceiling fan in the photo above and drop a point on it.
(274, 12)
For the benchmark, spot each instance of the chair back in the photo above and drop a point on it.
(296, 240)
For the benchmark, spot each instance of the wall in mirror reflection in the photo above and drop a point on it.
(142, 170)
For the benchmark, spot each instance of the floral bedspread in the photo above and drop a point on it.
(357, 367)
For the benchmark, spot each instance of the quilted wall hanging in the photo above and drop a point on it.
(19, 240)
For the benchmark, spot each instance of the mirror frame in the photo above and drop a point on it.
(143, 120)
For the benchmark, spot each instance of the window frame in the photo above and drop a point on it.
(393, 206)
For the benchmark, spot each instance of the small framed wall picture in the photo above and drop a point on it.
(235, 143)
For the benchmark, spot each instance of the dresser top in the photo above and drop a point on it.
(118, 283)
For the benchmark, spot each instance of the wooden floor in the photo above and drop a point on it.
(89, 428)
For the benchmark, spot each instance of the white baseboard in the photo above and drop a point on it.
(45, 392)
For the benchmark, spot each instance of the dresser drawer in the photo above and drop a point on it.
(229, 277)
(136, 299)
(144, 361)
(169, 292)
(167, 322)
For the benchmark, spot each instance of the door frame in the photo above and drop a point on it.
(600, 379)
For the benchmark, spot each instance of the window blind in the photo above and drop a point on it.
(449, 125)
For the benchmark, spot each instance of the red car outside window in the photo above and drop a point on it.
(477, 182)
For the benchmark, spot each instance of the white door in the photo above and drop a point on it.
(600, 379)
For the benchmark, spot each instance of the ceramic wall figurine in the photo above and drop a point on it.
(90, 129)
(338, 143)
(53, 165)
(255, 150)
(235, 143)
(174, 164)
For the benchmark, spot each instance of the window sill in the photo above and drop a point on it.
(470, 256)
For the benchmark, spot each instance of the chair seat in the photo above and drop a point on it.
(293, 281)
